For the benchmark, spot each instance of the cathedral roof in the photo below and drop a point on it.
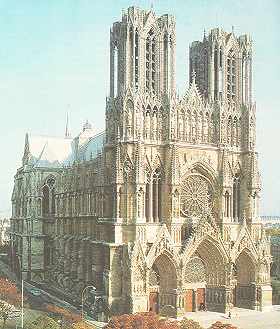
(56, 152)
(48, 151)
(91, 147)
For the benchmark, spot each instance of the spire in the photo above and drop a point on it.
(67, 133)
(193, 76)
(26, 153)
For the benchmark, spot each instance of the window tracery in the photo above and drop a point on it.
(231, 75)
(48, 200)
(136, 69)
(236, 197)
(151, 62)
(195, 271)
(153, 196)
(196, 196)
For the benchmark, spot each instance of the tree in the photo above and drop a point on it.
(43, 322)
(82, 325)
(9, 298)
(148, 320)
(9, 292)
(220, 325)
(6, 310)
(66, 316)
(273, 231)
(189, 324)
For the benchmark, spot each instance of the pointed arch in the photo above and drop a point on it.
(245, 277)
(163, 244)
(151, 61)
(136, 59)
(202, 167)
(48, 196)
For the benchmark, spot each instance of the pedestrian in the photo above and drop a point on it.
(229, 315)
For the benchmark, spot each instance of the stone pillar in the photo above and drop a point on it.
(231, 206)
(211, 75)
(180, 310)
(263, 297)
(156, 219)
(228, 298)
(150, 200)
(195, 306)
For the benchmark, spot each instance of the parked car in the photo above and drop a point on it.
(35, 292)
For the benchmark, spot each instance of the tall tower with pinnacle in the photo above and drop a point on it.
(223, 65)
(142, 53)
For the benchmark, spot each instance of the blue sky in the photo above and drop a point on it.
(54, 58)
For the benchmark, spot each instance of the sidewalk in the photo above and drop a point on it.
(242, 318)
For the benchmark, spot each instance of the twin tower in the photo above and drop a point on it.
(142, 58)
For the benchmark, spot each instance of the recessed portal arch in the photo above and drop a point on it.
(245, 276)
(162, 283)
(204, 277)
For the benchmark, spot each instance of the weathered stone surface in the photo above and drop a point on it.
(165, 210)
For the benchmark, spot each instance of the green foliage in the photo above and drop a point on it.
(6, 310)
(43, 322)
(220, 325)
(273, 231)
(82, 325)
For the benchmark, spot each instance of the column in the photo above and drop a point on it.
(231, 207)
(117, 203)
(195, 307)
(211, 75)
(155, 185)
(150, 200)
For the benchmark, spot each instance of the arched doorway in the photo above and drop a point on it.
(244, 274)
(194, 278)
(162, 284)
(204, 278)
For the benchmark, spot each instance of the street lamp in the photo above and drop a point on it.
(84, 290)
(60, 323)
(22, 304)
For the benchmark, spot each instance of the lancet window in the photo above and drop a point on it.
(236, 197)
(136, 59)
(150, 62)
(48, 200)
(153, 196)
(166, 60)
(116, 54)
(216, 73)
(231, 75)
(227, 204)
(131, 55)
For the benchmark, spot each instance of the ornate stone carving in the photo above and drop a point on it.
(195, 271)
(196, 196)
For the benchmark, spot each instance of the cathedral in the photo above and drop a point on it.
(160, 212)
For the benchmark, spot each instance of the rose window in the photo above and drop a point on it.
(196, 196)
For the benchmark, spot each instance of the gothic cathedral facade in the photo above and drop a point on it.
(161, 211)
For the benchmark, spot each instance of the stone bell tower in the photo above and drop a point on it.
(142, 53)
(223, 66)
